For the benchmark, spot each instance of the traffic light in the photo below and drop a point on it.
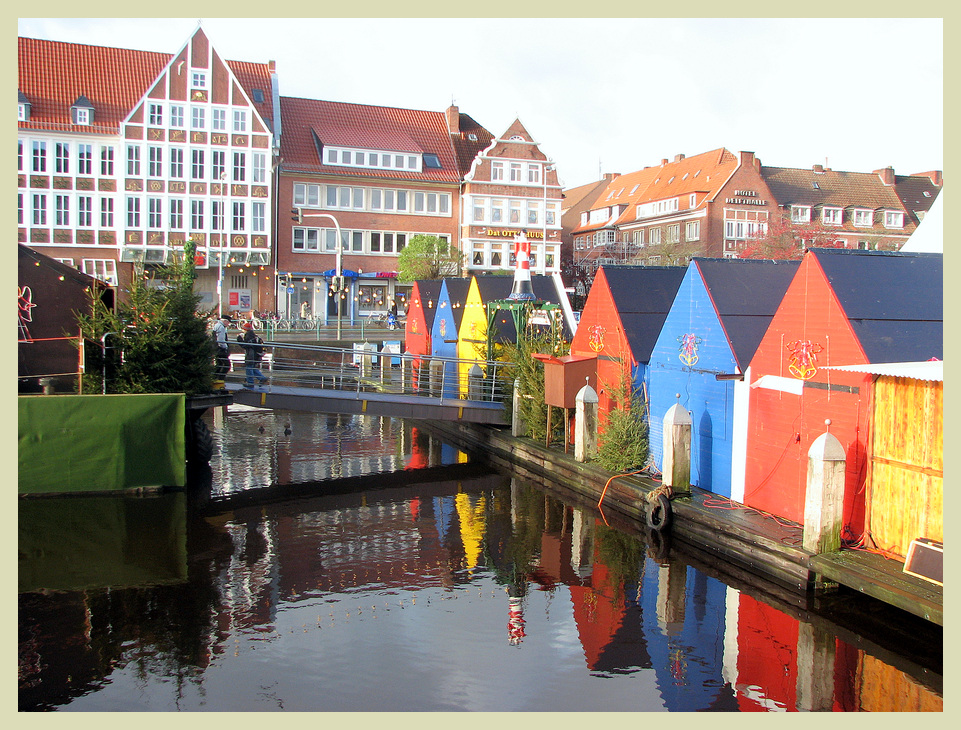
(298, 215)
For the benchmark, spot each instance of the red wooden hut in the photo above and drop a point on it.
(422, 306)
(844, 307)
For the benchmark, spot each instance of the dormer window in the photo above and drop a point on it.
(82, 111)
(23, 107)
(893, 219)
(831, 216)
(863, 217)
(800, 213)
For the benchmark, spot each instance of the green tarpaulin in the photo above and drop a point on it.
(92, 443)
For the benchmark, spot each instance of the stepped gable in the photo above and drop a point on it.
(309, 124)
(894, 301)
(643, 296)
(746, 294)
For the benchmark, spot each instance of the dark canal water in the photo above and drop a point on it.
(384, 571)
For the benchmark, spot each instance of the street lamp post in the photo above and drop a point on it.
(547, 168)
(338, 268)
(220, 253)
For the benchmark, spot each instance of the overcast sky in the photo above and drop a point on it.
(607, 94)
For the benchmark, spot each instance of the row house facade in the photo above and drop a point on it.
(125, 155)
(511, 187)
(380, 176)
(717, 204)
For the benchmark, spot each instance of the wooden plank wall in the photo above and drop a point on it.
(882, 688)
(905, 470)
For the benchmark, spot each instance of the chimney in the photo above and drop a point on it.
(453, 119)
(747, 159)
(663, 161)
(935, 176)
(678, 158)
(818, 168)
(886, 174)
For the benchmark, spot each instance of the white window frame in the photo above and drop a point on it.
(497, 171)
(218, 119)
(61, 158)
(692, 231)
(832, 216)
(133, 212)
(800, 213)
(176, 116)
(133, 160)
(61, 210)
(106, 161)
(103, 269)
(240, 120)
(893, 219)
(863, 218)
(198, 117)
(196, 215)
(106, 212)
(39, 163)
(155, 115)
(85, 211)
(84, 159)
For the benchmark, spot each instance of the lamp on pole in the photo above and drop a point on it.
(338, 267)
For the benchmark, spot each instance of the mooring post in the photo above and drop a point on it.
(816, 649)
(384, 369)
(518, 427)
(366, 359)
(824, 503)
(585, 424)
(475, 383)
(676, 471)
(406, 369)
(436, 377)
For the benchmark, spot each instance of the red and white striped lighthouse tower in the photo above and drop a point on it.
(522, 289)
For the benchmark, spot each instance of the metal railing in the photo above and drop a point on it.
(365, 369)
(361, 326)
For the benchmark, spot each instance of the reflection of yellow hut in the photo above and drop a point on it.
(472, 525)
(472, 335)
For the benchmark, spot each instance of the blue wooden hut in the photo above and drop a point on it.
(721, 311)
(444, 332)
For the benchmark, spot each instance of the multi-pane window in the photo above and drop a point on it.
(744, 229)
(515, 212)
(831, 216)
(62, 158)
(196, 164)
(305, 239)
(39, 156)
(863, 218)
(218, 119)
(198, 79)
(893, 219)
(515, 172)
(85, 211)
(82, 116)
(155, 162)
(259, 172)
(218, 164)
(497, 210)
(240, 120)
(308, 195)
(497, 171)
(198, 117)
(155, 115)
(176, 213)
(801, 213)
(533, 173)
(84, 159)
(176, 116)
(238, 222)
(133, 212)
(196, 215)
(692, 231)
(533, 213)
(103, 269)
(216, 215)
(155, 213)
(674, 233)
(62, 210)
(39, 209)
(427, 202)
(106, 212)
(258, 217)
(654, 236)
(240, 166)
(176, 162)
(480, 210)
(133, 160)
(106, 160)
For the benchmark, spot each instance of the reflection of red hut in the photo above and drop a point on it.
(420, 319)
(50, 295)
(843, 307)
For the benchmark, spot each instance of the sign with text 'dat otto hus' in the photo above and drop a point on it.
(508, 233)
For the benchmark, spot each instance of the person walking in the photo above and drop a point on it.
(304, 310)
(253, 354)
(222, 356)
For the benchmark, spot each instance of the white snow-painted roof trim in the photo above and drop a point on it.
(932, 370)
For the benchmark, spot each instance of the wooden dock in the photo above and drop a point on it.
(884, 579)
(755, 542)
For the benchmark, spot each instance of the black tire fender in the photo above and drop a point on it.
(659, 513)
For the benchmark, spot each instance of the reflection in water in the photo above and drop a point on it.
(465, 592)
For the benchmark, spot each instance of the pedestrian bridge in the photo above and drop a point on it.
(364, 380)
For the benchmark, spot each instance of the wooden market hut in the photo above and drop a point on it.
(904, 489)
(721, 311)
(446, 326)
(622, 317)
(420, 319)
(843, 307)
(50, 294)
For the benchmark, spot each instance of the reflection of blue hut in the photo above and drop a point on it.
(444, 511)
(447, 318)
(720, 313)
(684, 614)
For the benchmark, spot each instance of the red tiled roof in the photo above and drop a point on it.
(834, 188)
(53, 75)
(365, 127)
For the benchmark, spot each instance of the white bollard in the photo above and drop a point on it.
(676, 471)
(475, 383)
(585, 424)
(824, 501)
(518, 427)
